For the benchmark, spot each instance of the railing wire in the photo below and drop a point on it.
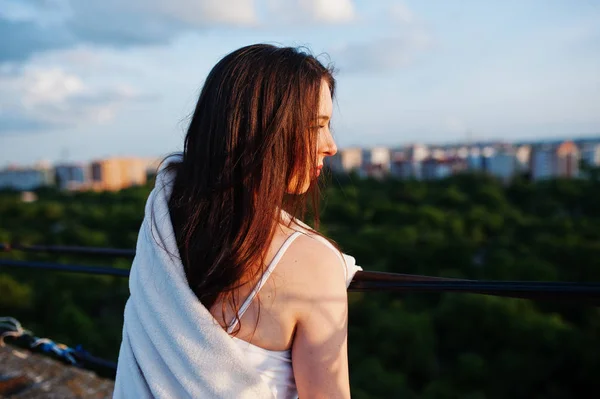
(586, 293)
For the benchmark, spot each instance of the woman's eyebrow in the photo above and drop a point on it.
(324, 117)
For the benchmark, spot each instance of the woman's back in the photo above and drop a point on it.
(305, 291)
(274, 366)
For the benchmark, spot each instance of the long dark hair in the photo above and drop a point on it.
(252, 134)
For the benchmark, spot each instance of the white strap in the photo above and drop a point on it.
(263, 279)
(309, 231)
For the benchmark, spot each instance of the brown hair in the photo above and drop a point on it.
(253, 131)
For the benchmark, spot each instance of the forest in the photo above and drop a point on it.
(425, 345)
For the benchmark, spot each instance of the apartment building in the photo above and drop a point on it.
(26, 178)
(346, 160)
(114, 174)
(567, 158)
(73, 176)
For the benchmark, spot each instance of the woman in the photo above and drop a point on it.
(253, 152)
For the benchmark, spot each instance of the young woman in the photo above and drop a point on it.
(253, 153)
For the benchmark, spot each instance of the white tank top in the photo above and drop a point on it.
(274, 367)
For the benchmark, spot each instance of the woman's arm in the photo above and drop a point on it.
(319, 351)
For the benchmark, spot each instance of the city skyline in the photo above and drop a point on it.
(80, 81)
(536, 161)
(66, 159)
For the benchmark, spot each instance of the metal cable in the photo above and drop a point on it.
(394, 282)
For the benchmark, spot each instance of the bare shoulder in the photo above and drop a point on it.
(312, 270)
(311, 259)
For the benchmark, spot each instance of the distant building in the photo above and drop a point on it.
(380, 156)
(549, 161)
(458, 151)
(26, 179)
(462, 152)
(417, 152)
(433, 168)
(567, 160)
(407, 163)
(114, 174)
(439, 153)
(474, 160)
(486, 155)
(72, 176)
(590, 154)
(523, 158)
(503, 165)
(405, 169)
(346, 160)
(376, 162)
(542, 162)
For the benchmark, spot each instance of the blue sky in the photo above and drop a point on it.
(87, 79)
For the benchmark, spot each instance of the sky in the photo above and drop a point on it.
(81, 80)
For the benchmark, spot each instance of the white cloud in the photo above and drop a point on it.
(312, 11)
(332, 10)
(152, 16)
(133, 22)
(399, 12)
(39, 11)
(122, 24)
(35, 98)
(403, 40)
(93, 63)
(199, 13)
(114, 23)
(383, 54)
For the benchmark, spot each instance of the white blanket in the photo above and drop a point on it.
(172, 347)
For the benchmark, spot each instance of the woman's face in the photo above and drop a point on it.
(325, 144)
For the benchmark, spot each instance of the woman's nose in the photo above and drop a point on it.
(329, 147)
